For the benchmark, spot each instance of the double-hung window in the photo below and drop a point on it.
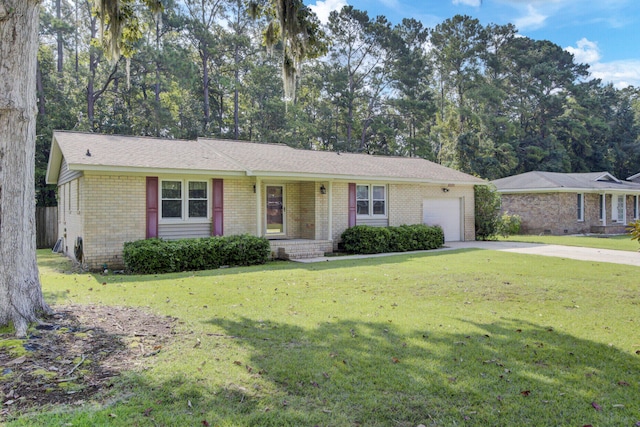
(371, 200)
(178, 204)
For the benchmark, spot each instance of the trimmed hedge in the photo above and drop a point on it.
(152, 256)
(365, 239)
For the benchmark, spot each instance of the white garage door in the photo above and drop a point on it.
(447, 213)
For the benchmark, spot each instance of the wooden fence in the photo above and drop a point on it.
(46, 226)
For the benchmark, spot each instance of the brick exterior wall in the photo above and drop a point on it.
(406, 204)
(115, 213)
(109, 210)
(240, 205)
(302, 208)
(321, 213)
(556, 213)
(340, 208)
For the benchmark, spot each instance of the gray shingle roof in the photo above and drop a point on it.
(537, 181)
(139, 152)
(145, 154)
(261, 159)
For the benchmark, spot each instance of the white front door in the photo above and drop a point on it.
(447, 213)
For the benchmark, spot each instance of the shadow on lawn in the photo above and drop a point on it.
(280, 265)
(350, 373)
(355, 373)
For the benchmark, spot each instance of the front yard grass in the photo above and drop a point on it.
(619, 242)
(472, 338)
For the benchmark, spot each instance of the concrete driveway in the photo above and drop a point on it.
(569, 252)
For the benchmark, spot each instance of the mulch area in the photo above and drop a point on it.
(75, 354)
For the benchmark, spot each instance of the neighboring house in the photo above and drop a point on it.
(115, 189)
(570, 203)
(634, 178)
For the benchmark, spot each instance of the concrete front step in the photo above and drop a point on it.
(304, 255)
(300, 249)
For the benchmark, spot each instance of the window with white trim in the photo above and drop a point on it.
(580, 207)
(635, 207)
(371, 200)
(176, 204)
(601, 200)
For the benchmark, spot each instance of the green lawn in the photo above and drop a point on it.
(621, 242)
(473, 338)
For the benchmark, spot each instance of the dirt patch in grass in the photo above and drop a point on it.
(76, 354)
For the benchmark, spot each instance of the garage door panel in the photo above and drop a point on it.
(447, 213)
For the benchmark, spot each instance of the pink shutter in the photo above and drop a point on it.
(152, 207)
(218, 207)
(352, 204)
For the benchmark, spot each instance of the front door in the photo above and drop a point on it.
(275, 210)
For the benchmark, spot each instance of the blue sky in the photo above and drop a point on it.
(602, 33)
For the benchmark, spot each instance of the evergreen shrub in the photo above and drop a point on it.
(153, 256)
(365, 239)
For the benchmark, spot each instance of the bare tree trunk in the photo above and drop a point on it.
(40, 90)
(21, 299)
(59, 38)
(236, 98)
(205, 89)
(156, 106)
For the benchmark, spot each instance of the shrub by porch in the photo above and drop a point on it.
(151, 256)
(364, 239)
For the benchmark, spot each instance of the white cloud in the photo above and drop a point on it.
(392, 4)
(532, 20)
(586, 52)
(619, 73)
(324, 8)
(474, 3)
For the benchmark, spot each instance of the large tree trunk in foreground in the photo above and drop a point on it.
(21, 298)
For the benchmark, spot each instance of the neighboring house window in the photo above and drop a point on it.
(635, 207)
(176, 206)
(602, 205)
(580, 206)
(371, 200)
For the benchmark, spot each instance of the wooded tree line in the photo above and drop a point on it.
(481, 99)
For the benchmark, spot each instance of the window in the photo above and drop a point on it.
(371, 200)
(602, 205)
(580, 207)
(197, 199)
(362, 199)
(174, 205)
(171, 199)
(635, 207)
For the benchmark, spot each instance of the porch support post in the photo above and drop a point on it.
(330, 213)
(258, 207)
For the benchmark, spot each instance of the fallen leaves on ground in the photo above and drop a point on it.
(76, 354)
